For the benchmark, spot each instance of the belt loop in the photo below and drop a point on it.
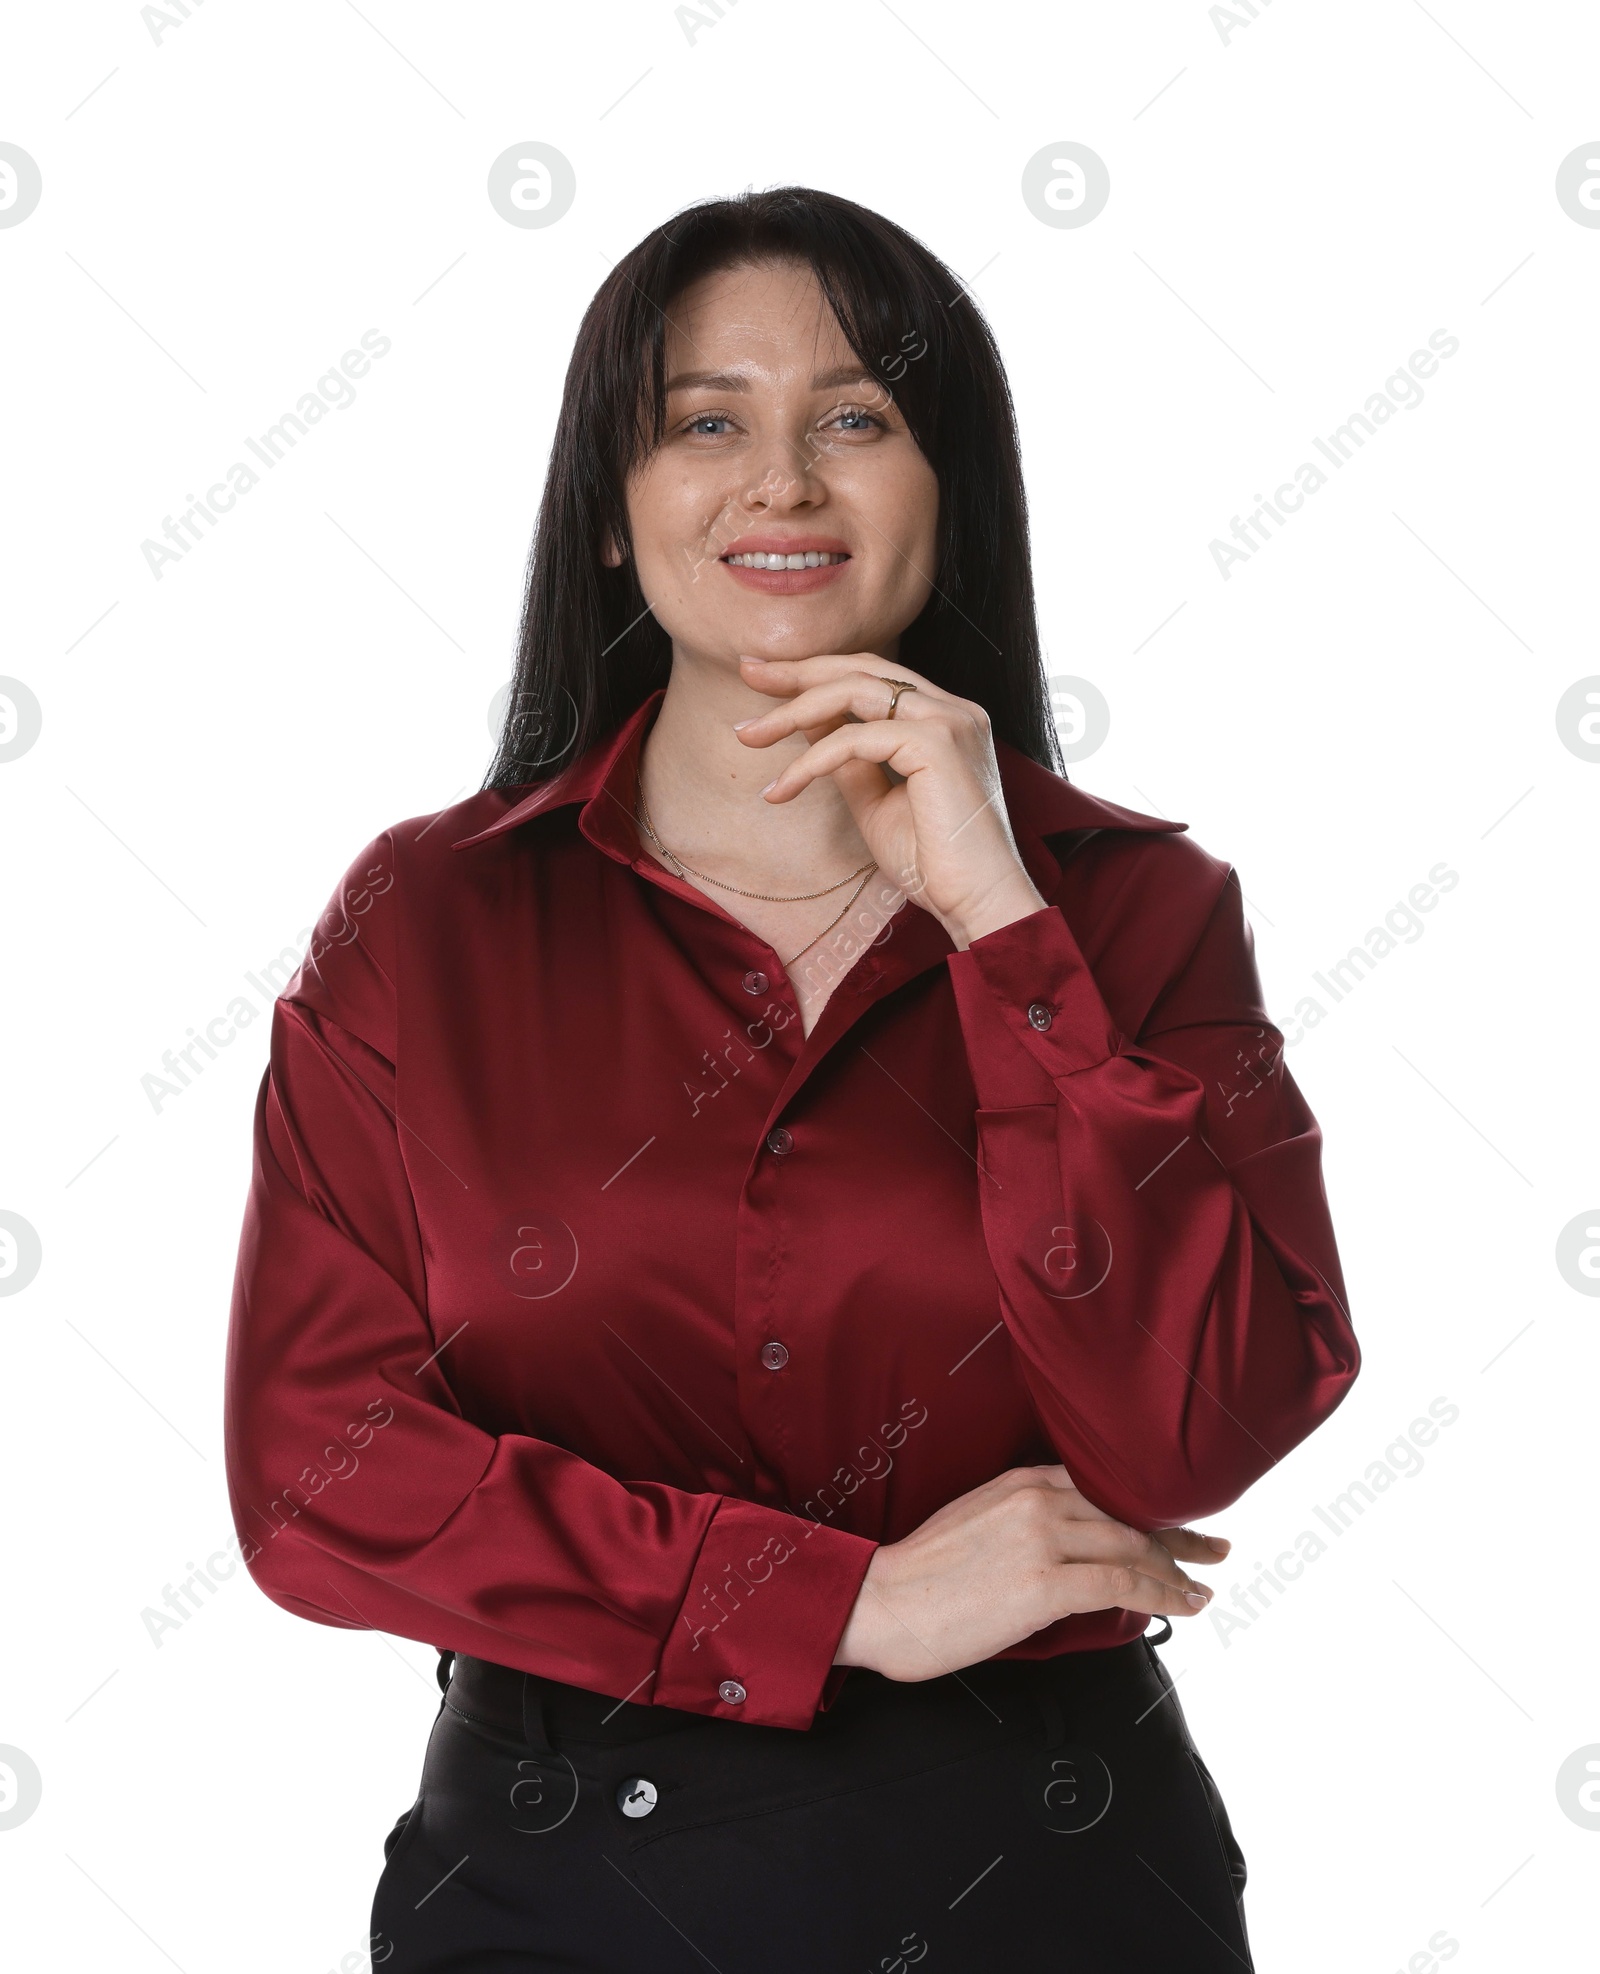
(443, 1669)
(1055, 1723)
(1162, 1637)
(535, 1730)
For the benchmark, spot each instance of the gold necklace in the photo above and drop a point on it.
(832, 922)
(768, 897)
(642, 817)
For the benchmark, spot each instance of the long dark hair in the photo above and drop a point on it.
(589, 650)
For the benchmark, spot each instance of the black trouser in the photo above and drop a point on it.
(1017, 1816)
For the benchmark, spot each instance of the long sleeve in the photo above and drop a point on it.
(1154, 1211)
(366, 1499)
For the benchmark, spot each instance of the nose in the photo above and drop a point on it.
(786, 481)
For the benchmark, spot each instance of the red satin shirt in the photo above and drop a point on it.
(591, 1319)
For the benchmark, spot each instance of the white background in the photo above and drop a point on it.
(1295, 206)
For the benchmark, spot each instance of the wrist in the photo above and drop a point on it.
(860, 1641)
(1017, 898)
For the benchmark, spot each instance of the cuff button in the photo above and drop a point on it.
(731, 1691)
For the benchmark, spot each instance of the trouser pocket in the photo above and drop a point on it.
(404, 1823)
(1229, 1853)
(1232, 1857)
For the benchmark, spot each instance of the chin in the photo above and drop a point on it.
(764, 638)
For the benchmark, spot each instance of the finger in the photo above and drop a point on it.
(1076, 1504)
(1052, 1474)
(1114, 1544)
(880, 741)
(782, 676)
(1187, 1543)
(1080, 1507)
(863, 695)
(1107, 1587)
(1194, 1547)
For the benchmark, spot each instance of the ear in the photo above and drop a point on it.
(611, 552)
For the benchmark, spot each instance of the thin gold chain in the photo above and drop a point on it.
(766, 897)
(854, 895)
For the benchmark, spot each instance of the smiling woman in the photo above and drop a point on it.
(774, 1154)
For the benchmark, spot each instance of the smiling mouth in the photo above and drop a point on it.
(784, 571)
(811, 558)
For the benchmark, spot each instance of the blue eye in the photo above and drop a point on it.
(856, 421)
(707, 418)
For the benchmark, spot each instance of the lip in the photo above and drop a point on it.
(787, 545)
(785, 582)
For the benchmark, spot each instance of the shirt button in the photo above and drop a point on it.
(755, 981)
(1040, 1015)
(636, 1796)
(780, 1140)
(774, 1356)
(731, 1691)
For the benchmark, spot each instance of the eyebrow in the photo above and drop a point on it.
(722, 380)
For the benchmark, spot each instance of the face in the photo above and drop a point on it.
(778, 443)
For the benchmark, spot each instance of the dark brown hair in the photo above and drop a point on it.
(589, 650)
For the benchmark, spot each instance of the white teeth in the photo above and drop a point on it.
(812, 558)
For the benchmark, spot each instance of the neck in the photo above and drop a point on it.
(702, 788)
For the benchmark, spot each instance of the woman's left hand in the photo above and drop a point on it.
(942, 834)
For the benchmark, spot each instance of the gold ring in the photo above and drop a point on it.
(900, 685)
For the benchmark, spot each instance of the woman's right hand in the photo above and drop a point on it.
(998, 1564)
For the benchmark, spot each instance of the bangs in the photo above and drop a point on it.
(892, 307)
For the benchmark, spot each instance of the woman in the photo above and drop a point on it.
(770, 1218)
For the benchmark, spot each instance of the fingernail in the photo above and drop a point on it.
(746, 723)
(1195, 1599)
(1220, 1543)
(750, 658)
(771, 785)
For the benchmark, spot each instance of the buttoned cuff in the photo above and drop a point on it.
(765, 1610)
(1026, 996)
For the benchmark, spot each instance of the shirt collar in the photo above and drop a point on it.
(603, 781)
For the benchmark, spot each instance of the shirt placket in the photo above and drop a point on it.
(784, 1211)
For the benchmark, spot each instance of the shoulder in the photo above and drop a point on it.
(1142, 896)
(1106, 850)
(1144, 906)
(401, 878)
